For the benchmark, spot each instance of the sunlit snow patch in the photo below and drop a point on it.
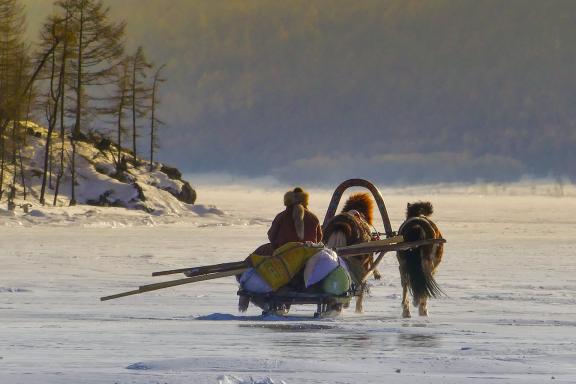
(228, 379)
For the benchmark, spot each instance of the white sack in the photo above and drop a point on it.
(252, 282)
(320, 265)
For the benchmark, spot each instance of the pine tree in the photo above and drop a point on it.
(12, 50)
(13, 67)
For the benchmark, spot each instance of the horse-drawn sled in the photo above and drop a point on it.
(330, 274)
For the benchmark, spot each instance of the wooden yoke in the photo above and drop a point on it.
(337, 195)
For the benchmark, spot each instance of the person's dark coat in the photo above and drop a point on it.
(296, 222)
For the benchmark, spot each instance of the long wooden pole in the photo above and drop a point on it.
(368, 248)
(374, 243)
(382, 246)
(173, 283)
(196, 271)
(374, 266)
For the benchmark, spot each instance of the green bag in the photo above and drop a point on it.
(337, 282)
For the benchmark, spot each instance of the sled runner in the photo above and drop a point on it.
(280, 303)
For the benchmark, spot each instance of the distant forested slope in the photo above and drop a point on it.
(397, 90)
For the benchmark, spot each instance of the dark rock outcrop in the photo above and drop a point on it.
(140, 191)
(171, 172)
(32, 132)
(105, 200)
(187, 194)
(104, 144)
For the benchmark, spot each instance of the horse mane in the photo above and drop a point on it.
(362, 203)
(420, 208)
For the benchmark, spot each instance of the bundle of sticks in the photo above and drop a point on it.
(216, 271)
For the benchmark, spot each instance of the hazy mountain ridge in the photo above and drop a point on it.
(452, 90)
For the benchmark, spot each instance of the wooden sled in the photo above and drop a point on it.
(280, 302)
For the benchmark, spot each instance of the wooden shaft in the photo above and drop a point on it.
(196, 271)
(118, 295)
(374, 243)
(346, 252)
(374, 266)
(173, 283)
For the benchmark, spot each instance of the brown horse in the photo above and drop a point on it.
(418, 265)
(352, 226)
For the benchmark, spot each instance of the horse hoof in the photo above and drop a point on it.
(423, 313)
(406, 314)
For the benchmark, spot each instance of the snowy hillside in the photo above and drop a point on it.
(99, 181)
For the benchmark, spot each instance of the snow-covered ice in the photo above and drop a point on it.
(509, 271)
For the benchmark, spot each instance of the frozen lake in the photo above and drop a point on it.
(509, 271)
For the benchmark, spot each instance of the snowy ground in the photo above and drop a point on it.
(509, 271)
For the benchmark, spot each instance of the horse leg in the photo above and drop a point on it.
(423, 307)
(360, 300)
(405, 301)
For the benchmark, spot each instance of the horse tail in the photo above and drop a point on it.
(417, 270)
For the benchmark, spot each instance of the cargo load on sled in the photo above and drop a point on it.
(304, 272)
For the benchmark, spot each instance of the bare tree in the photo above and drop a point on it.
(154, 120)
(67, 53)
(98, 46)
(52, 33)
(18, 133)
(139, 93)
(118, 104)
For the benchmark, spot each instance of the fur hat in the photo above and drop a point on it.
(299, 200)
(296, 196)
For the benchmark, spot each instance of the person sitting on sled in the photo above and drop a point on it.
(296, 222)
